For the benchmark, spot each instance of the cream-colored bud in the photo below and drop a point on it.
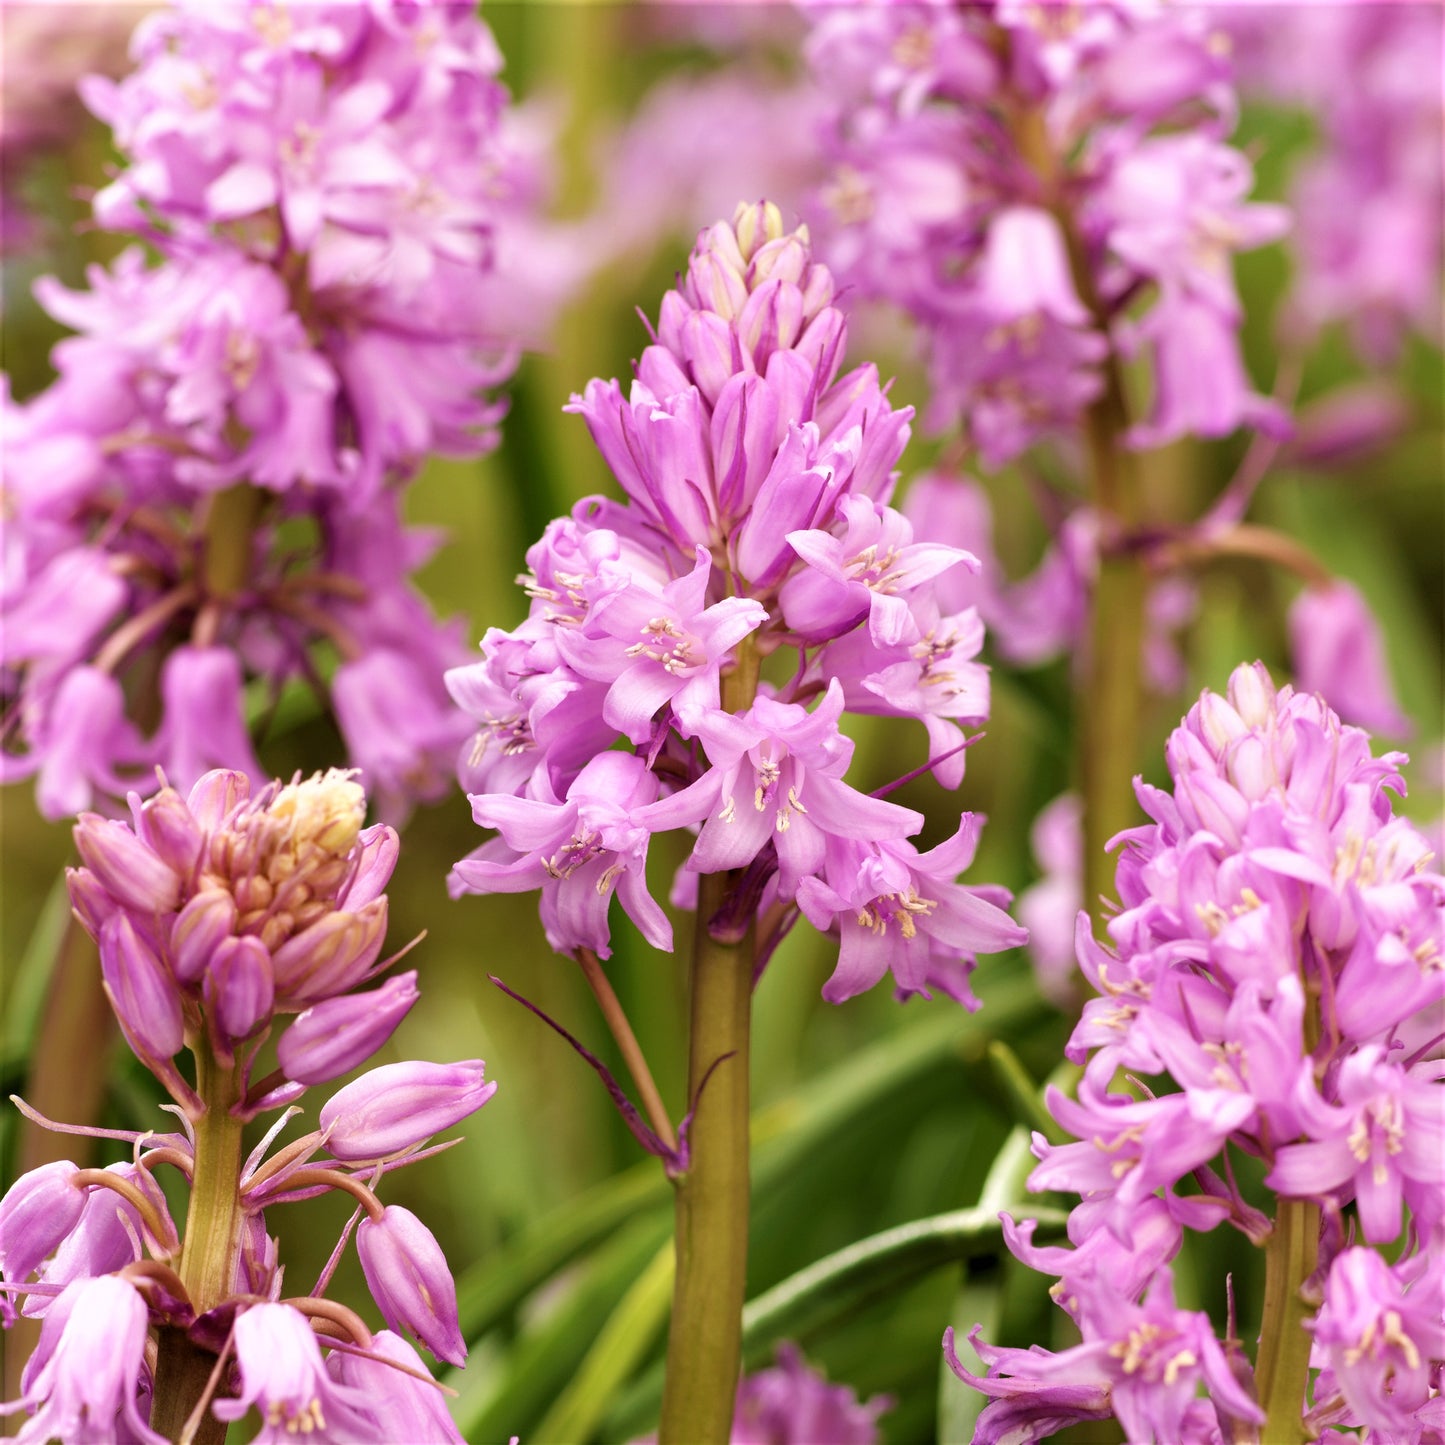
(756, 223)
(326, 811)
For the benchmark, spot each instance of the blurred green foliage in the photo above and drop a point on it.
(545, 1210)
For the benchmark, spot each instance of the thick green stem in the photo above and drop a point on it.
(226, 547)
(704, 1346)
(1110, 699)
(1111, 691)
(1282, 1371)
(208, 1255)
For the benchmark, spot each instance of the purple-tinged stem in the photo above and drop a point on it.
(631, 1050)
(704, 1346)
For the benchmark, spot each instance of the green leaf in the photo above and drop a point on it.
(531, 1375)
(979, 1302)
(26, 998)
(840, 1284)
(616, 1353)
(834, 1286)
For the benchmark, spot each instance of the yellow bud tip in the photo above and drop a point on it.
(326, 810)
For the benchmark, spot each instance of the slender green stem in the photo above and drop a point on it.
(208, 1254)
(631, 1050)
(1110, 698)
(704, 1347)
(1282, 1371)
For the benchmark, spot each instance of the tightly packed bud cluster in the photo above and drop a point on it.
(1277, 960)
(237, 909)
(1017, 178)
(756, 526)
(218, 916)
(208, 494)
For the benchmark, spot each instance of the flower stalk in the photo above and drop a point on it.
(1282, 1371)
(1113, 681)
(704, 1346)
(208, 1256)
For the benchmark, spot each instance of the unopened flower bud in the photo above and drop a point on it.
(332, 955)
(755, 224)
(92, 904)
(410, 1281)
(1221, 724)
(199, 929)
(1252, 693)
(785, 259)
(717, 283)
(239, 987)
(399, 1105)
(325, 811)
(334, 1037)
(169, 829)
(141, 990)
(37, 1212)
(216, 795)
(379, 847)
(126, 868)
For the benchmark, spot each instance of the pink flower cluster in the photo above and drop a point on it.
(791, 1404)
(1278, 958)
(324, 186)
(1021, 180)
(756, 526)
(218, 917)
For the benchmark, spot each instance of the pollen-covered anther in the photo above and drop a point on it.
(306, 1421)
(1212, 916)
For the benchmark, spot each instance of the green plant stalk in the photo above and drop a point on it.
(208, 1255)
(838, 1286)
(1111, 694)
(226, 542)
(1111, 701)
(1282, 1371)
(704, 1344)
(704, 1350)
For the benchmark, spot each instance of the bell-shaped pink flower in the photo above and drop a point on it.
(1339, 652)
(334, 1036)
(283, 1375)
(85, 1377)
(410, 1281)
(403, 1407)
(37, 1212)
(396, 1106)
